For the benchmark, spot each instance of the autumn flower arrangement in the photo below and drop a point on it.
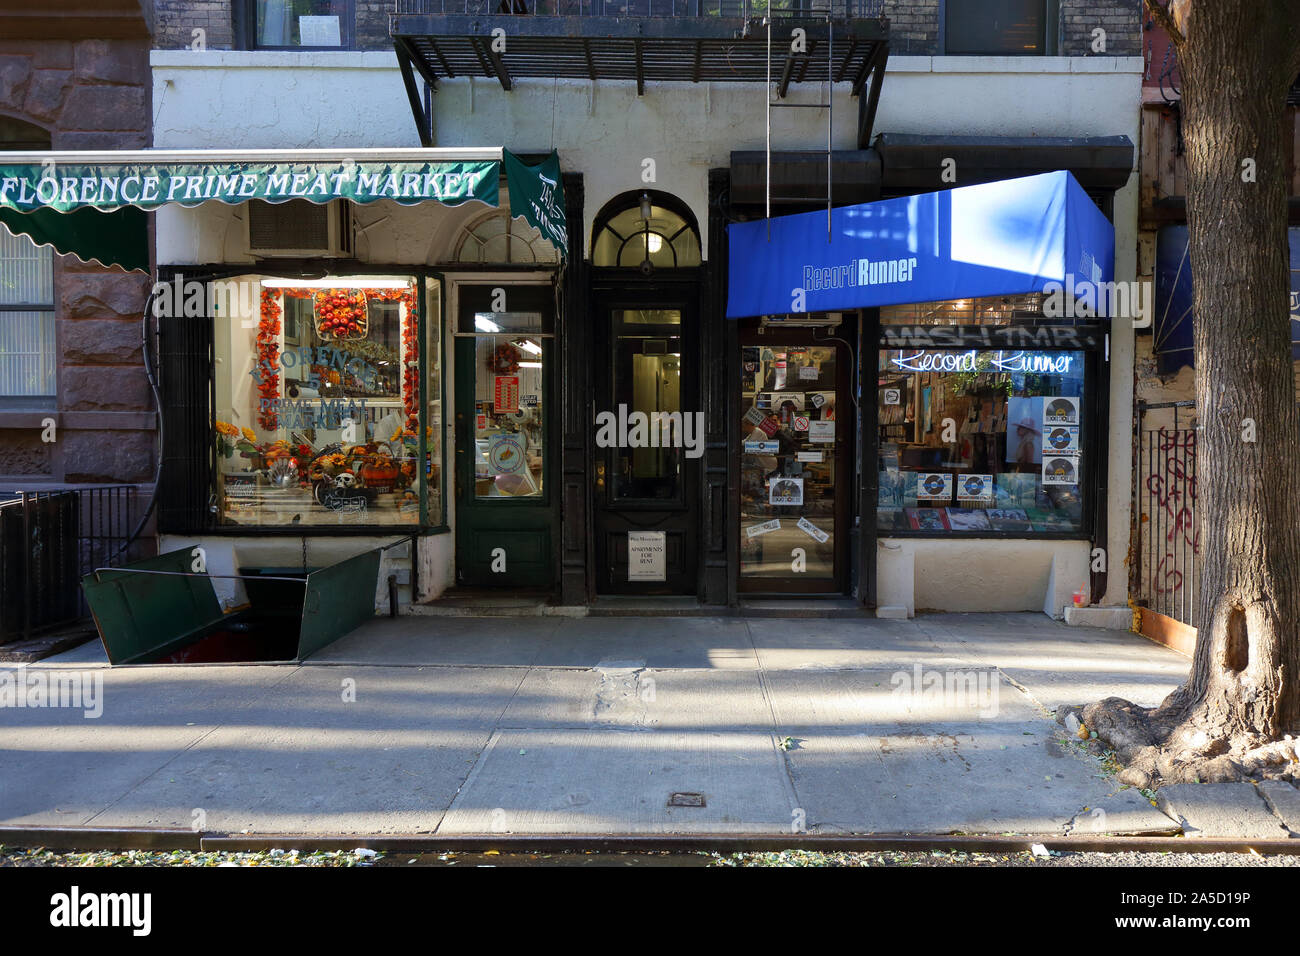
(268, 358)
(341, 313)
(505, 360)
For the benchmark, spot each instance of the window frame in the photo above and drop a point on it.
(1093, 342)
(205, 518)
(244, 14)
(1051, 31)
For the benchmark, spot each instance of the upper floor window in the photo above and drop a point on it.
(1000, 27)
(301, 24)
(26, 297)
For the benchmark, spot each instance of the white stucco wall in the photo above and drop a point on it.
(277, 99)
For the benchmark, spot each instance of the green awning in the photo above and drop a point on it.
(117, 238)
(91, 204)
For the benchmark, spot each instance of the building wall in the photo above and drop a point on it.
(88, 93)
(913, 26)
(606, 132)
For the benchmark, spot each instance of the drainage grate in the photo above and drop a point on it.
(686, 800)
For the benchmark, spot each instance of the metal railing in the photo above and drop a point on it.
(1168, 545)
(743, 9)
(48, 540)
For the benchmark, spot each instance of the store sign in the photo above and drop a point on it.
(984, 338)
(64, 187)
(537, 193)
(647, 558)
(1037, 363)
(999, 238)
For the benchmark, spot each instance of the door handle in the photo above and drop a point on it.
(600, 474)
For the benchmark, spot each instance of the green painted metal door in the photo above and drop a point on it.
(506, 522)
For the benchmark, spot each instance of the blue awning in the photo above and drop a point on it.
(1171, 327)
(1002, 238)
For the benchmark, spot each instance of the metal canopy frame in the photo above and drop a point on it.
(644, 49)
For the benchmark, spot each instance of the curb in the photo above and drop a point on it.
(125, 838)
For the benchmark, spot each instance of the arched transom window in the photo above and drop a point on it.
(647, 230)
(496, 238)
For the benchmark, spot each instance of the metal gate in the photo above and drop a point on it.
(1166, 569)
(48, 540)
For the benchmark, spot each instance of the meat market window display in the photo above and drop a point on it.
(318, 419)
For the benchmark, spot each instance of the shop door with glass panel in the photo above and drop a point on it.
(649, 443)
(505, 518)
(794, 458)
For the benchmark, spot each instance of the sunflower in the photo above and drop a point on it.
(250, 435)
(227, 429)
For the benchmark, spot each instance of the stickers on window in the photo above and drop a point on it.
(505, 394)
(975, 487)
(785, 491)
(822, 433)
(766, 527)
(809, 457)
(934, 486)
(1060, 469)
(506, 454)
(814, 532)
(1058, 439)
(755, 416)
(762, 447)
(1060, 410)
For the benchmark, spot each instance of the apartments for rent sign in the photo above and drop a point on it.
(64, 188)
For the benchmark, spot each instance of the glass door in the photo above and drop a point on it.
(505, 520)
(794, 478)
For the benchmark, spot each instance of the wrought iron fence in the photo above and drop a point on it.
(48, 540)
(1168, 546)
(744, 9)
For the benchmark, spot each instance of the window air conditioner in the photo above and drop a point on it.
(299, 229)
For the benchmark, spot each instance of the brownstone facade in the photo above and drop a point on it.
(82, 76)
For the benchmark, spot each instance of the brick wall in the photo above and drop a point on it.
(86, 94)
(1119, 18)
(913, 27)
(176, 21)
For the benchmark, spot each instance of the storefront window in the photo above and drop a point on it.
(318, 414)
(981, 441)
(510, 352)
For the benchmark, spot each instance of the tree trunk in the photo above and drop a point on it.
(1237, 59)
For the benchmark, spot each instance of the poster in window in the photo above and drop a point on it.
(934, 486)
(926, 519)
(1060, 469)
(505, 394)
(1025, 430)
(1060, 410)
(1060, 439)
(975, 487)
(506, 454)
(785, 491)
(1009, 519)
(968, 519)
(822, 433)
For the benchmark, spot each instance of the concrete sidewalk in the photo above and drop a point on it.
(592, 725)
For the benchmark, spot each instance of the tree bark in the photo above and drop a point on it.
(1237, 59)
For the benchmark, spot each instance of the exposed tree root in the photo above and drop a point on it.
(1176, 743)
